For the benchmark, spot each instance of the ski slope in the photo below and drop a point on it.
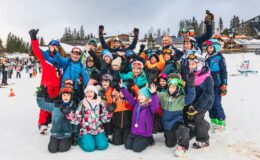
(20, 138)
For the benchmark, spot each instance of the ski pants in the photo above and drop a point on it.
(89, 143)
(217, 111)
(120, 135)
(137, 143)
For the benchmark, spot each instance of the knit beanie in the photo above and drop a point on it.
(145, 91)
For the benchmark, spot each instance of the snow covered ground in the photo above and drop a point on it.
(20, 138)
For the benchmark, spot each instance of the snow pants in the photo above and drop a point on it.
(180, 134)
(201, 127)
(217, 111)
(120, 135)
(59, 145)
(138, 143)
(89, 143)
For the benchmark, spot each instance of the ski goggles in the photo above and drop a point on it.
(184, 30)
(176, 82)
(66, 90)
(54, 43)
(167, 51)
(76, 50)
(192, 57)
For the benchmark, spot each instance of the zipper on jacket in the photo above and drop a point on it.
(169, 103)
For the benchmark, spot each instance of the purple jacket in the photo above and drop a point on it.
(143, 125)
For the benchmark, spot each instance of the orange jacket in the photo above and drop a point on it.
(160, 65)
(121, 105)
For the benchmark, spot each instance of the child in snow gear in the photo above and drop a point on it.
(74, 70)
(61, 131)
(91, 114)
(203, 102)
(51, 74)
(137, 74)
(122, 114)
(142, 121)
(172, 102)
(217, 65)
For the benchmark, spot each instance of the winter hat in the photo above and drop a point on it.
(95, 75)
(107, 77)
(117, 62)
(195, 55)
(91, 88)
(145, 91)
(192, 40)
(80, 52)
(116, 39)
(138, 64)
(163, 76)
(155, 56)
(215, 43)
(172, 76)
(106, 52)
(129, 53)
(176, 82)
(54, 43)
(93, 42)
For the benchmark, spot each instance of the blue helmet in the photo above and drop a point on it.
(129, 53)
(215, 43)
(54, 43)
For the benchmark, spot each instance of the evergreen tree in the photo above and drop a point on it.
(150, 41)
(82, 33)
(220, 25)
(42, 43)
(1, 45)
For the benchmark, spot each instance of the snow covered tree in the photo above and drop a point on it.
(220, 25)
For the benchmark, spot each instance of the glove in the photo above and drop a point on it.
(33, 33)
(190, 80)
(41, 92)
(209, 18)
(223, 90)
(101, 30)
(65, 110)
(136, 32)
(142, 47)
(111, 107)
(191, 112)
(130, 83)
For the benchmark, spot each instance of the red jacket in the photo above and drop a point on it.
(50, 77)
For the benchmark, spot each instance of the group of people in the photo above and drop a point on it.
(122, 97)
(9, 66)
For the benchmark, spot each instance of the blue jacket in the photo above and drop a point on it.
(61, 127)
(72, 70)
(217, 65)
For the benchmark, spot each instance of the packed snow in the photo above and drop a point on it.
(20, 138)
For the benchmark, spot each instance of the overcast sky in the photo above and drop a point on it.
(118, 16)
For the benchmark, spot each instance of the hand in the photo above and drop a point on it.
(209, 18)
(136, 32)
(153, 88)
(33, 33)
(223, 90)
(41, 92)
(121, 54)
(101, 30)
(190, 80)
(111, 107)
(121, 83)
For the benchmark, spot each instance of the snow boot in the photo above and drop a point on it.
(199, 145)
(179, 151)
(220, 127)
(213, 124)
(53, 145)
